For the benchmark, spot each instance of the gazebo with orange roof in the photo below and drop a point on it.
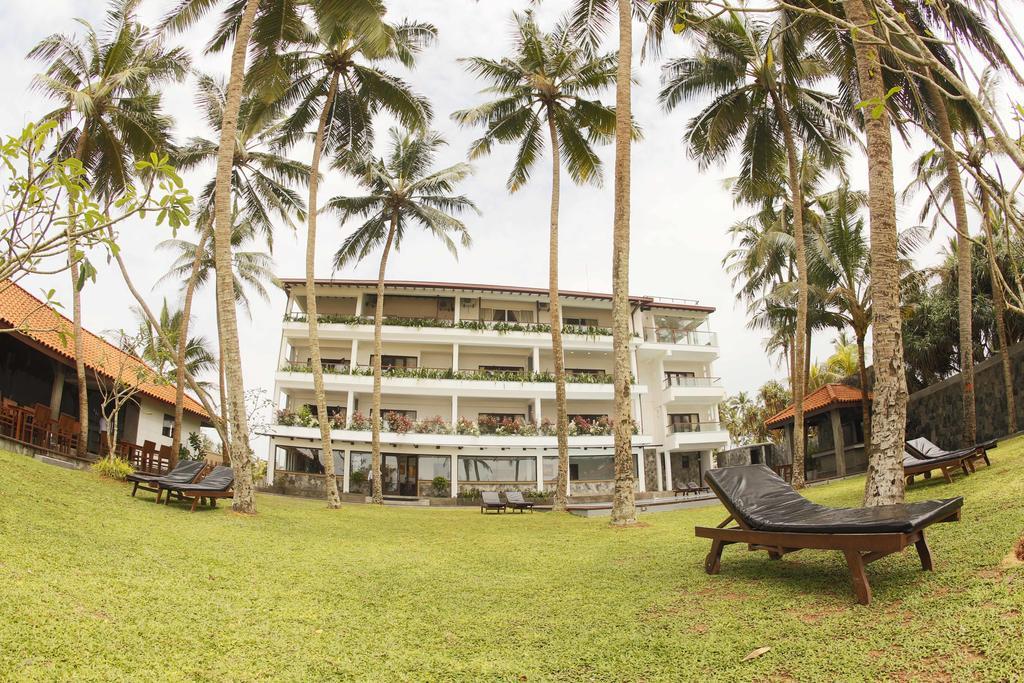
(834, 431)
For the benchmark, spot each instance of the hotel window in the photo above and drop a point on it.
(411, 414)
(585, 371)
(431, 466)
(331, 410)
(168, 428)
(679, 379)
(501, 368)
(500, 416)
(472, 469)
(686, 422)
(304, 460)
(508, 315)
(331, 364)
(598, 467)
(396, 361)
(581, 322)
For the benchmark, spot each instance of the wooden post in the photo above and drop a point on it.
(837, 440)
(57, 390)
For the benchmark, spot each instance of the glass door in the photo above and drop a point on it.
(399, 474)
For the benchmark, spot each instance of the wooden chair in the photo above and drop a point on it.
(215, 485)
(770, 515)
(39, 430)
(9, 419)
(69, 431)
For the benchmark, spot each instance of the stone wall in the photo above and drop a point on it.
(937, 412)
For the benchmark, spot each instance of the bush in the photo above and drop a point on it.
(466, 427)
(432, 425)
(112, 468)
(469, 494)
(397, 422)
(440, 487)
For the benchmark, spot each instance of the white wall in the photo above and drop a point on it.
(151, 422)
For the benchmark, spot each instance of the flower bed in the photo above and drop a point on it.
(497, 326)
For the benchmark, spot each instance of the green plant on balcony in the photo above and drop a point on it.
(432, 425)
(440, 487)
(466, 427)
(399, 423)
(359, 422)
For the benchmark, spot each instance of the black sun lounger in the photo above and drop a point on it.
(921, 447)
(516, 501)
(770, 515)
(913, 466)
(183, 473)
(217, 484)
(491, 500)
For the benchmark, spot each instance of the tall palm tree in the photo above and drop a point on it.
(262, 186)
(194, 265)
(547, 80)
(154, 348)
(761, 75)
(588, 19)
(403, 191)
(110, 115)
(337, 84)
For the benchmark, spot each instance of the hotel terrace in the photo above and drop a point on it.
(468, 390)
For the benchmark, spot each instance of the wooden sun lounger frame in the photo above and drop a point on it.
(859, 549)
(946, 467)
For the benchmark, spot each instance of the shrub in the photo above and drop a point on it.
(433, 425)
(469, 494)
(466, 427)
(112, 468)
(359, 422)
(397, 422)
(357, 478)
(338, 420)
(440, 486)
(287, 418)
(548, 427)
(306, 418)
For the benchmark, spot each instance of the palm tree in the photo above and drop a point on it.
(261, 183)
(761, 76)
(154, 348)
(110, 115)
(335, 82)
(546, 81)
(402, 191)
(588, 19)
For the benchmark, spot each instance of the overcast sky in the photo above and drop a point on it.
(679, 220)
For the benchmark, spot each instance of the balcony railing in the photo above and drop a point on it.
(494, 325)
(687, 427)
(672, 380)
(450, 373)
(668, 335)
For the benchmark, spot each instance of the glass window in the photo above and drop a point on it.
(591, 467)
(168, 428)
(431, 466)
(497, 469)
(580, 322)
(305, 460)
(550, 468)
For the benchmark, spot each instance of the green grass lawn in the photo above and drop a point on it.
(97, 585)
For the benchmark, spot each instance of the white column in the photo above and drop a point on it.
(536, 359)
(350, 406)
(536, 410)
(271, 462)
(540, 471)
(359, 303)
(455, 411)
(455, 475)
(455, 357)
(668, 471)
(657, 464)
(457, 315)
(344, 473)
(353, 356)
(641, 470)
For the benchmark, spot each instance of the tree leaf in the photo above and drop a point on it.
(754, 654)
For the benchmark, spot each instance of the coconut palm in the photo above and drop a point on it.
(588, 20)
(262, 183)
(110, 115)
(163, 358)
(546, 83)
(761, 75)
(403, 191)
(337, 87)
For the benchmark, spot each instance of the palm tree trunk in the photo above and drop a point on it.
(999, 306)
(865, 402)
(76, 321)
(562, 416)
(179, 361)
(801, 349)
(623, 499)
(884, 484)
(225, 447)
(240, 452)
(963, 258)
(326, 450)
(378, 320)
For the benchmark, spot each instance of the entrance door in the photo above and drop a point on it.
(400, 474)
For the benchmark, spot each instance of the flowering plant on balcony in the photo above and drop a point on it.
(466, 427)
(338, 420)
(433, 425)
(548, 427)
(287, 418)
(397, 423)
(359, 422)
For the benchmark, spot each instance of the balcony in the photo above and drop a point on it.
(451, 382)
(695, 435)
(687, 345)
(680, 389)
(675, 379)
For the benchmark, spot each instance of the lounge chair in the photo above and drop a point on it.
(913, 466)
(216, 484)
(491, 500)
(515, 500)
(185, 472)
(921, 447)
(770, 515)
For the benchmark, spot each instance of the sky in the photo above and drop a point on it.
(680, 214)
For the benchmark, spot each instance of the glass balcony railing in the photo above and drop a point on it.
(674, 380)
(500, 326)
(687, 427)
(667, 335)
(449, 373)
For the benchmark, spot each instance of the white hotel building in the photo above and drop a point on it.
(466, 364)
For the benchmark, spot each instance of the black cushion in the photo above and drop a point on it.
(184, 472)
(922, 447)
(220, 479)
(936, 461)
(765, 502)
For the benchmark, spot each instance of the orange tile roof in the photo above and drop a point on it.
(37, 321)
(819, 399)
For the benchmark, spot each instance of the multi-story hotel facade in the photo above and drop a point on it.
(468, 400)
